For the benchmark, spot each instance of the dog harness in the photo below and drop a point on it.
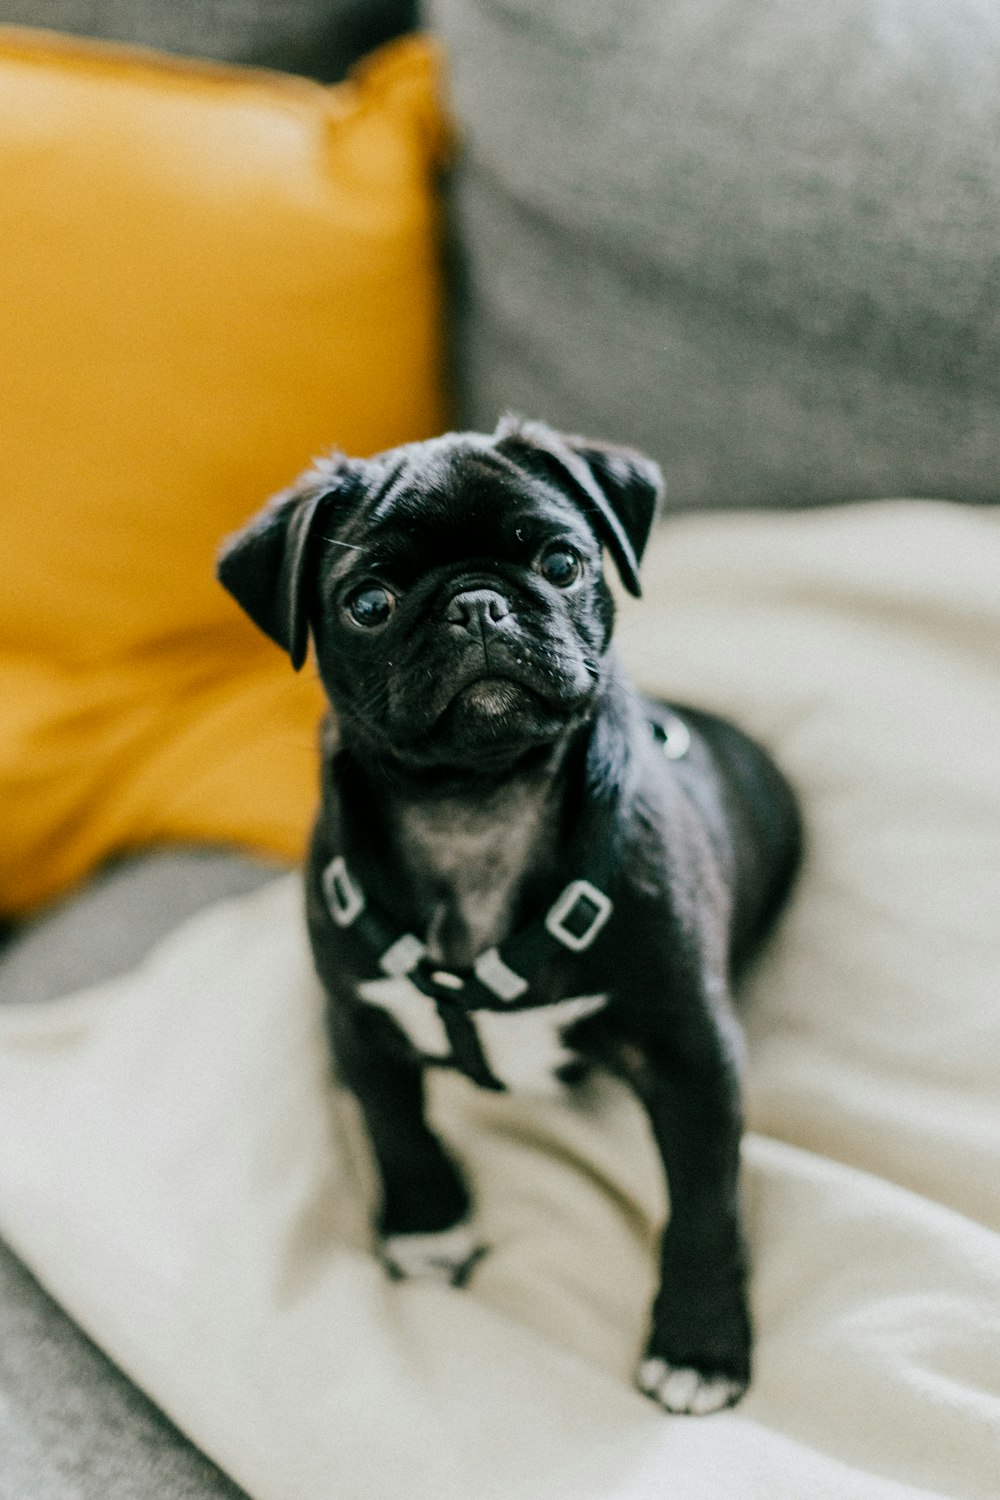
(460, 1018)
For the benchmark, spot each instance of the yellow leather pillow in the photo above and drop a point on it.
(207, 275)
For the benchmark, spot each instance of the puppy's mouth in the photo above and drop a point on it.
(494, 696)
(499, 698)
(496, 708)
(489, 719)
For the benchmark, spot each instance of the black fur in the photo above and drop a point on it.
(483, 743)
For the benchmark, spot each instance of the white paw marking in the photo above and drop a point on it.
(437, 1257)
(684, 1390)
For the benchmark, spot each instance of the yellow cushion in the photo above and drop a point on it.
(207, 276)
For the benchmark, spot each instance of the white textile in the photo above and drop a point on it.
(174, 1168)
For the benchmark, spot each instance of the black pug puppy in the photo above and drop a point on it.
(520, 867)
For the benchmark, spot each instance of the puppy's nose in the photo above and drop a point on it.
(477, 610)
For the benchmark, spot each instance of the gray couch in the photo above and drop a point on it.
(755, 237)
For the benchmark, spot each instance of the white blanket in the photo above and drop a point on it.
(174, 1168)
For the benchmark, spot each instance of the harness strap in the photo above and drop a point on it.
(500, 978)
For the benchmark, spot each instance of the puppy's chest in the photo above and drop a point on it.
(466, 870)
(468, 874)
(523, 1050)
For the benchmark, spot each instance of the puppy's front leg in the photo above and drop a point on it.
(698, 1352)
(421, 1218)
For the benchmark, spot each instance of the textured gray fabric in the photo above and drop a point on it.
(320, 38)
(71, 1426)
(110, 926)
(756, 237)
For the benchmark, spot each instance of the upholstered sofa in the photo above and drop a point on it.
(759, 241)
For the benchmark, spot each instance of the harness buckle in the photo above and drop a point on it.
(677, 738)
(505, 982)
(672, 735)
(446, 980)
(345, 900)
(578, 915)
(402, 956)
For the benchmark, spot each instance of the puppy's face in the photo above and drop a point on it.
(454, 589)
(460, 615)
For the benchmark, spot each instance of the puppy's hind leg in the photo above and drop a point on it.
(421, 1222)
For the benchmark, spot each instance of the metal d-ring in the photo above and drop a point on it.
(676, 741)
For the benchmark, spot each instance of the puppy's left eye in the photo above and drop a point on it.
(561, 566)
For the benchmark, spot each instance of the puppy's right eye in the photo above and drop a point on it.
(370, 606)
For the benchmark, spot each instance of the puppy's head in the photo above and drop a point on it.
(453, 588)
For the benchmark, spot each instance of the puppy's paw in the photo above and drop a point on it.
(447, 1255)
(683, 1389)
(698, 1356)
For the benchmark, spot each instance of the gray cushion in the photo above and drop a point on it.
(759, 240)
(109, 927)
(320, 38)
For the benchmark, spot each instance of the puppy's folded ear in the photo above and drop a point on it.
(269, 565)
(620, 489)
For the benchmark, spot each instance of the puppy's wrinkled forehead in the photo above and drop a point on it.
(440, 502)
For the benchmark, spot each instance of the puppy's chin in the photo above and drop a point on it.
(492, 700)
(489, 724)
